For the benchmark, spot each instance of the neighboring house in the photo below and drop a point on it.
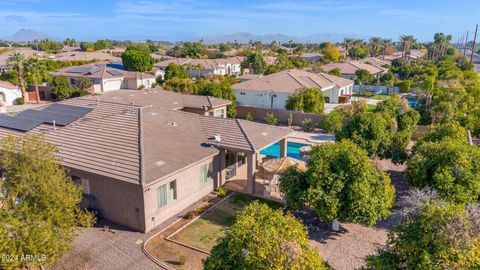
(142, 158)
(311, 57)
(203, 67)
(9, 92)
(348, 69)
(273, 90)
(375, 61)
(414, 55)
(106, 78)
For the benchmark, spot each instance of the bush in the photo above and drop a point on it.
(20, 101)
(249, 117)
(222, 192)
(79, 93)
(271, 119)
(290, 119)
(308, 125)
(182, 259)
(332, 122)
(61, 88)
(404, 86)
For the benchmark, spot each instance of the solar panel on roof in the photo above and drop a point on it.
(79, 70)
(115, 72)
(94, 70)
(60, 113)
(12, 122)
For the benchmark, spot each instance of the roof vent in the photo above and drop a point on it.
(114, 163)
(264, 134)
(159, 163)
(173, 124)
(217, 138)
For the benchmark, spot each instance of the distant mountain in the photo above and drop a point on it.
(25, 35)
(268, 38)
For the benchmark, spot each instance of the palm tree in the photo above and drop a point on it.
(347, 43)
(385, 44)
(34, 71)
(375, 44)
(406, 43)
(16, 61)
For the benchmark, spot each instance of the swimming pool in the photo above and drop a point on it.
(413, 102)
(293, 150)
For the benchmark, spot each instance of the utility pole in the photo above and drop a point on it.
(466, 45)
(473, 46)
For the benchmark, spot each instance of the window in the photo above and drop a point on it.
(167, 193)
(206, 173)
(219, 113)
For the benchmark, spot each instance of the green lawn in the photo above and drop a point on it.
(205, 231)
(371, 108)
(380, 97)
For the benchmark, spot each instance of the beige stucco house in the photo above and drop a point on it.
(273, 90)
(106, 78)
(144, 156)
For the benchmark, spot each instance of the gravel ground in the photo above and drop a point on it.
(115, 248)
(348, 248)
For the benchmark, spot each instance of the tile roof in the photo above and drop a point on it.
(352, 66)
(100, 71)
(143, 143)
(289, 81)
(8, 85)
(205, 63)
(161, 98)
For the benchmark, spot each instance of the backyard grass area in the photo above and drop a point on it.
(380, 96)
(204, 232)
(371, 108)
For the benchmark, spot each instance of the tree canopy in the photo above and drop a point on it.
(309, 100)
(437, 235)
(450, 168)
(39, 203)
(340, 183)
(262, 238)
(255, 61)
(137, 60)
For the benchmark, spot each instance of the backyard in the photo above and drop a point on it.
(185, 244)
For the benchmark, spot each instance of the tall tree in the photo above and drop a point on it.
(347, 43)
(385, 44)
(34, 70)
(375, 45)
(17, 61)
(39, 206)
(406, 43)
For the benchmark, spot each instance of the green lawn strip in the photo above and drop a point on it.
(380, 97)
(204, 232)
(370, 107)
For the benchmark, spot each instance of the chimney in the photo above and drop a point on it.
(98, 102)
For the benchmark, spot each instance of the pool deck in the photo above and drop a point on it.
(314, 137)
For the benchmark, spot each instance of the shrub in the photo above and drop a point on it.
(271, 119)
(332, 122)
(249, 117)
(290, 119)
(222, 192)
(137, 60)
(182, 259)
(404, 86)
(308, 125)
(20, 100)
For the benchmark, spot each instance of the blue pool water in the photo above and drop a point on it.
(412, 102)
(293, 150)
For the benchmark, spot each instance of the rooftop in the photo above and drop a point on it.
(100, 71)
(289, 81)
(143, 143)
(352, 66)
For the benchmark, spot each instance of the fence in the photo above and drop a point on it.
(376, 88)
(282, 115)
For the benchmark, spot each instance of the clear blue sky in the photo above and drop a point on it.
(186, 19)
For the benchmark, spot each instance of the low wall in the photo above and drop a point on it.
(282, 115)
(376, 88)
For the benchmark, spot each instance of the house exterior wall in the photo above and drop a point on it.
(189, 189)
(213, 112)
(8, 96)
(118, 201)
(261, 99)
